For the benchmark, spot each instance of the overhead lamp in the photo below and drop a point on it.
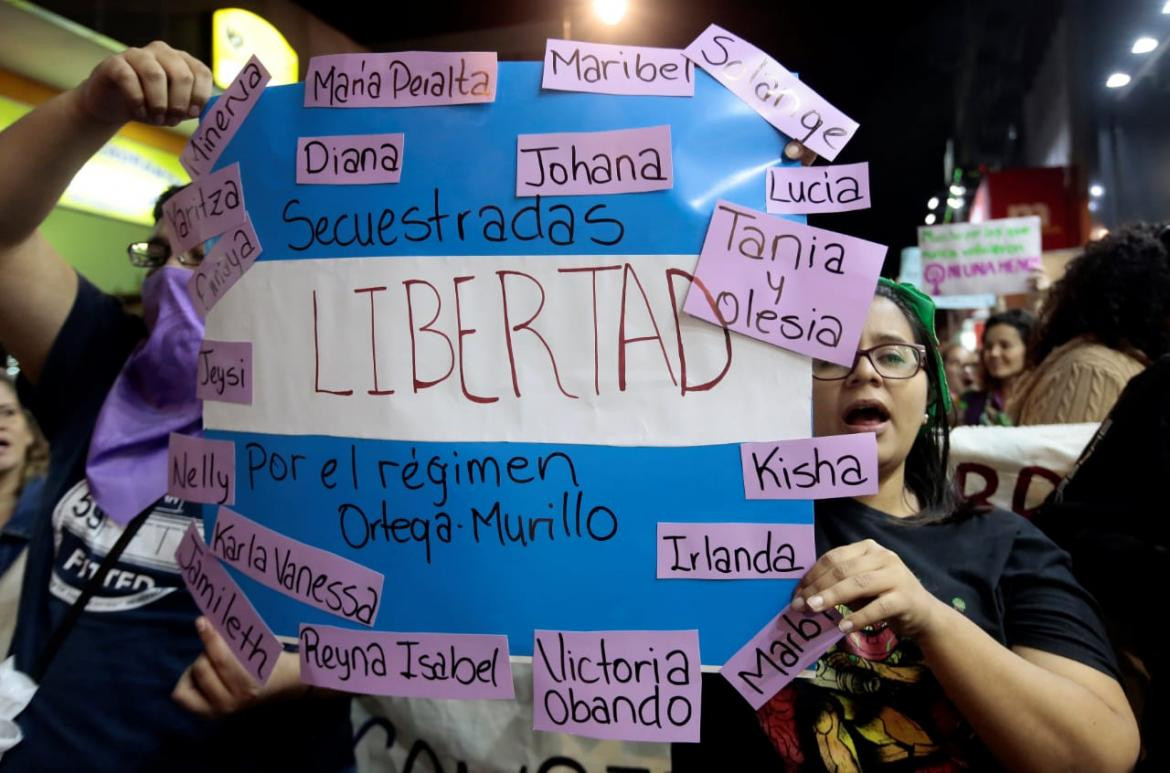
(610, 11)
(1096, 190)
(932, 203)
(930, 218)
(1117, 80)
(955, 203)
(1144, 45)
(958, 190)
(1166, 8)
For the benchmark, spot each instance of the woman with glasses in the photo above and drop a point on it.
(1105, 320)
(966, 641)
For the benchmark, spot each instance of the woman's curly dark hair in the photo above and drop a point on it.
(1117, 291)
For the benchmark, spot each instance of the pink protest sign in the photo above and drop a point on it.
(627, 685)
(403, 79)
(792, 285)
(313, 576)
(223, 119)
(201, 470)
(225, 372)
(226, 607)
(808, 190)
(408, 665)
(601, 68)
(788, 644)
(772, 91)
(586, 163)
(205, 208)
(735, 551)
(811, 468)
(230, 257)
(349, 159)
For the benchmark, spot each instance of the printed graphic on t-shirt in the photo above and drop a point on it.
(83, 535)
(871, 703)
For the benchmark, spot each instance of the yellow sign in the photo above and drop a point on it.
(122, 180)
(236, 35)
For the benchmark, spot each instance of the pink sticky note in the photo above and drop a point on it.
(408, 665)
(585, 683)
(792, 285)
(223, 120)
(226, 607)
(788, 644)
(735, 551)
(225, 372)
(201, 470)
(601, 68)
(349, 159)
(313, 576)
(232, 255)
(205, 208)
(586, 163)
(403, 79)
(772, 91)
(807, 190)
(811, 468)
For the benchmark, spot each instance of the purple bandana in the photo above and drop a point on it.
(152, 397)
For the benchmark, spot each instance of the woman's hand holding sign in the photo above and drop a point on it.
(868, 573)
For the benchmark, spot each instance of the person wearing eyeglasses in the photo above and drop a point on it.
(1100, 325)
(967, 644)
(133, 679)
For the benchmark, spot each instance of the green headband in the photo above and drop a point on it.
(923, 308)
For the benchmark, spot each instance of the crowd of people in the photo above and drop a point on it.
(952, 657)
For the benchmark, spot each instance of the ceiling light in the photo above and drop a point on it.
(932, 203)
(955, 203)
(958, 190)
(1144, 45)
(610, 11)
(1096, 190)
(1117, 80)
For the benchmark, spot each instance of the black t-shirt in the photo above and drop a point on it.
(872, 701)
(104, 703)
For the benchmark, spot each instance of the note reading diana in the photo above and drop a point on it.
(772, 91)
(788, 644)
(349, 159)
(226, 607)
(811, 468)
(735, 551)
(792, 285)
(601, 68)
(629, 685)
(408, 665)
(201, 470)
(584, 163)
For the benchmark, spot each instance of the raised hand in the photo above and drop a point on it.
(156, 84)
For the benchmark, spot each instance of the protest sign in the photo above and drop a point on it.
(995, 256)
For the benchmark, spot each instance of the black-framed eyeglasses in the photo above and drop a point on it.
(154, 253)
(894, 361)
